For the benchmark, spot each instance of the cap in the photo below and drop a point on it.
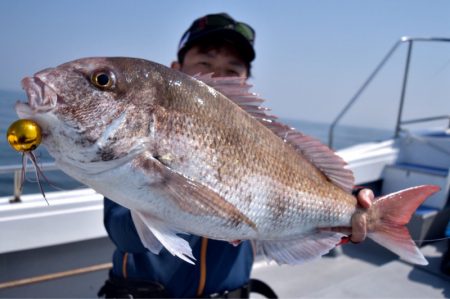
(242, 35)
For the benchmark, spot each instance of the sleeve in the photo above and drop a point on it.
(120, 227)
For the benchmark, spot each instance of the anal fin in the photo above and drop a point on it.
(302, 249)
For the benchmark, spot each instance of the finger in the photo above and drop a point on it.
(359, 230)
(365, 198)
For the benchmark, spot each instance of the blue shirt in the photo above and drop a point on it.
(220, 266)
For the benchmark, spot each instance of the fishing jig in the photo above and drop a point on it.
(25, 135)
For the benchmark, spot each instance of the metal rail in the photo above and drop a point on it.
(17, 171)
(409, 41)
(425, 119)
(5, 169)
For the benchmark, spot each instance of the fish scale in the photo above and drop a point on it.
(233, 180)
(263, 161)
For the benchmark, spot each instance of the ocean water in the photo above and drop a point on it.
(344, 136)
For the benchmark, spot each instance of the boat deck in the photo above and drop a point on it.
(357, 271)
(360, 271)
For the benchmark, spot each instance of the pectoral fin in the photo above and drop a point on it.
(195, 198)
(198, 199)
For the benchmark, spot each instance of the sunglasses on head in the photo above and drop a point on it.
(224, 22)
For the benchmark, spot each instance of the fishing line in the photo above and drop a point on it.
(416, 240)
(39, 173)
(397, 239)
(441, 69)
(432, 240)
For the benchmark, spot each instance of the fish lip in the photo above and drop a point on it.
(41, 97)
(23, 110)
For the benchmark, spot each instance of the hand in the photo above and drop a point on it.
(359, 221)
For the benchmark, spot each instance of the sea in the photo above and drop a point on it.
(344, 136)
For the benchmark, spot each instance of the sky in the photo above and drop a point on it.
(311, 55)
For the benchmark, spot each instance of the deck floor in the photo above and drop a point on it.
(359, 271)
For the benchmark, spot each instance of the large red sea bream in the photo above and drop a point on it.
(198, 156)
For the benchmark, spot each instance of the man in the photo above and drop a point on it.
(213, 44)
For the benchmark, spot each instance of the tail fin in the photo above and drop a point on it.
(393, 212)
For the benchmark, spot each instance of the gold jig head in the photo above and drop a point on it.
(24, 135)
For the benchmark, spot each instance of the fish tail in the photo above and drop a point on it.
(389, 217)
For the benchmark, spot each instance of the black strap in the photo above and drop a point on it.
(243, 292)
(262, 288)
(121, 288)
(255, 286)
(117, 287)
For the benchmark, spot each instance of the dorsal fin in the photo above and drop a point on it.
(237, 90)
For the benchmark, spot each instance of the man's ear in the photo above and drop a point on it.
(175, 65)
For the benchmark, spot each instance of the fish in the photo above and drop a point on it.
(201, 155)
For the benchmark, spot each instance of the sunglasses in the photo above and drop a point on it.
(220, 21)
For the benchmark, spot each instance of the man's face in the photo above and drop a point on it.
(222, 62)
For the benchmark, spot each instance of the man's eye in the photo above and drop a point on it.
(232, 73)
(204, 63)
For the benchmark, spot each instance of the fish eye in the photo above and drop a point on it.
(103, 79)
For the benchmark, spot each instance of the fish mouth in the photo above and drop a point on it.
(41, 97)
